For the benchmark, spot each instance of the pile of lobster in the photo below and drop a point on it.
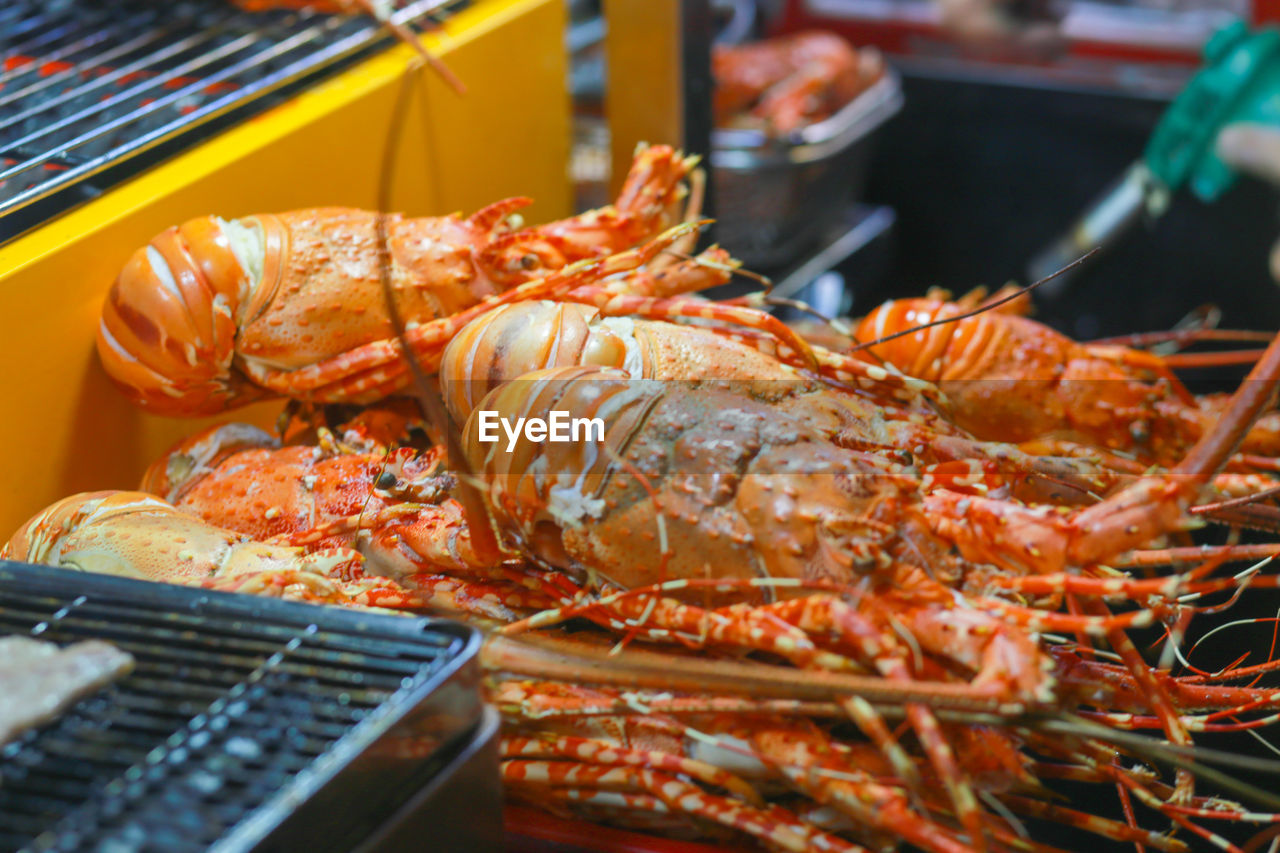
(827, 597)
(785, 83)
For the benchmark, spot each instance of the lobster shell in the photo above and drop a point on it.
(175, 356)
(218, 313)
(284, 290)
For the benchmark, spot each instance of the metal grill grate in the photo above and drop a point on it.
(239, 714)
(87, 85)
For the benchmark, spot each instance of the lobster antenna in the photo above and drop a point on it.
(1181, 336)
(1182, 757)
(483, 535)
(987, 306)
(406, 35)
(838, 326)
(1233, 502)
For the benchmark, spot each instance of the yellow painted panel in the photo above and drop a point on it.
(644, 93)
(65, 428)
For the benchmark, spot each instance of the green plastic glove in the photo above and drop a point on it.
(1255, 150)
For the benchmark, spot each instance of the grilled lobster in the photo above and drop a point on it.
(682, 483)
(217, 313)
(1009, 378)
(520, 338)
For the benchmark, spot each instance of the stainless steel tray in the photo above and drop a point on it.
(774, 197)
(248, 724)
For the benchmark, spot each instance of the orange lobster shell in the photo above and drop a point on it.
(207, 301)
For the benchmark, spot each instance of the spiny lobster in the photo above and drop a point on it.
(217, 313)
(519, 338)
(671, 738)
(1009, 378)
(983, 642)
(683, 483)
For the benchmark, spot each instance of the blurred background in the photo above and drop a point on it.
(1007, 121)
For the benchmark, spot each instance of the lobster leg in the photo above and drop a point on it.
(647, 202)
(818, 613)
(496, 603)
(534, 701)
(613, 304)
(772, 825)
(287, 583)
(835, 367)
(605, 753)
(802, 753)
(659, 617)
(1143, 361)
(711, 268)
(1091, 823)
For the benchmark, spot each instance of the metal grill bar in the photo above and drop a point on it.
(237, 708)
(86, 87)
(113, 54)
(169, 51)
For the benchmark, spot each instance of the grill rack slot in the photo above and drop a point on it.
(88, 86)
(240, 712)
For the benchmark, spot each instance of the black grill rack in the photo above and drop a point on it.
(247, 723)
(88, 85)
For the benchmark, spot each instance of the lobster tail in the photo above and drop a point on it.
(923, 352)
(132, 534)
(168, 329)
(561, 487)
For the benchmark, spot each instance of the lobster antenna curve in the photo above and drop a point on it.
(981, 309)
(483, 535)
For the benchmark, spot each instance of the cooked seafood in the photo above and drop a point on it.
(790, 81)
(1010, 378)
(217, 313)
(809, 551)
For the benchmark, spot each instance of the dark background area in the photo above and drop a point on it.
(983, 175)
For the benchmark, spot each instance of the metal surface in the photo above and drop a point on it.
(460, 809)
(776, 197)
(327, 145)
(854, 231)
(88, 85)
(247, 723)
